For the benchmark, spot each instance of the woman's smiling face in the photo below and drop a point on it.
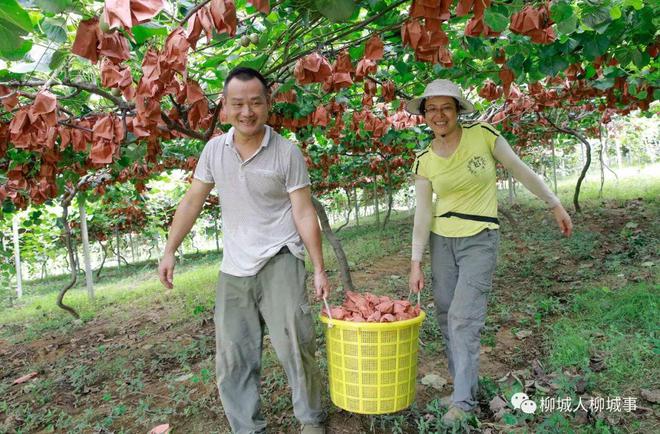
(441, 114)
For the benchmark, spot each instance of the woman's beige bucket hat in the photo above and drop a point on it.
(440, 87)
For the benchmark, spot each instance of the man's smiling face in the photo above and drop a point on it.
(247, 106)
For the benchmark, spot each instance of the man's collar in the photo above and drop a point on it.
(264, 142)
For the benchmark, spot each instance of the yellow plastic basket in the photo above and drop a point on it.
(372, 367)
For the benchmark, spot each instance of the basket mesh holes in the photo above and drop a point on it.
(353, 404)
(388, 378)
(387, 391)
(370, 350)
(370, 392)
(404, 374)
(388, 336)
(368, 378)
(351, 363)
(369, 365)
(349, 335)
(402, 389)
(388, 350)
(369, 337)
(387, 364)
(352, 377)
(387, 405)
(350, 349)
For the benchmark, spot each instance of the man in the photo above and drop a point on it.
(263, 187)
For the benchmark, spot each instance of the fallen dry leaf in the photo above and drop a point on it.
(160, 429)
(25, 378)
(435, 381)
(650, 395)
(522, 334)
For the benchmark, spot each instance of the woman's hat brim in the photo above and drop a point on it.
(414, 104)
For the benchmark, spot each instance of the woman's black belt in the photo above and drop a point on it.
(478, 218)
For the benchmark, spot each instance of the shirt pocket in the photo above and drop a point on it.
(266, 182)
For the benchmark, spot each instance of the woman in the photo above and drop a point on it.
(459, 167)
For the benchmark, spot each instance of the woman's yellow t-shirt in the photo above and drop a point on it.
(464, 183)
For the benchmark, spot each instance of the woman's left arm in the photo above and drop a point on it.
(511, 162)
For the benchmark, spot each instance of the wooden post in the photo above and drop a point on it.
(17, 259)
(89, 279)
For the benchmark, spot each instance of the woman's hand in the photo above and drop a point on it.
(416, 279)
(563, 220)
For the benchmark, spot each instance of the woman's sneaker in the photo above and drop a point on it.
(445, 401)
(313, 429)
(454, 414)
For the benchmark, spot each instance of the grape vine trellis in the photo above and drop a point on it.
(131, 87)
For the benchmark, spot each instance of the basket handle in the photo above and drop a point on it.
(327, 309)
(418, 297)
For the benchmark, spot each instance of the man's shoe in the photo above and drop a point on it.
(455, 414)
(312, 429)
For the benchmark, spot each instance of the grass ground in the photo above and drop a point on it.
(569, 318)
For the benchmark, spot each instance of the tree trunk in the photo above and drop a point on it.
(357, 207)
(376, 201)
(554, 164)
(17, 258)
(75, 251)
(390, 198)
(215, 225)
(348, 214)
(619, 159)
(104, 249)
(117, 246)
(509, 217)
(510, 181)
(587, 163)
(85, 239)
(587, 158)
(602, 163)
(130, 240)
(72, 261)
(342, 262)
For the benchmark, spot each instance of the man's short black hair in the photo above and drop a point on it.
(246, 74)
(422, 106)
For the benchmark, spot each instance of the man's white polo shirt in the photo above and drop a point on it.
(257, 218)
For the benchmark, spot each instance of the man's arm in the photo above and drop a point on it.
(184, 219)
(307, 223)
